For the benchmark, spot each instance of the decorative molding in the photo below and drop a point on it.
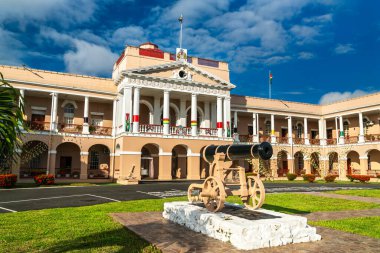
(165, 154)
(65, 102)
(84, 153)
(130, 153)
(363, 157)
(97, 113)
(39, 108)
(194, 155)
(52, 152)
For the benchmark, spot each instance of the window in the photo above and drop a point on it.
(299, 130)
(314, 134)
(69, 115)
(35, 162)
(369, 162)
(94, 160)
(329, 134)
(97, 120)
(267, 127)
(250, 130)
(346, 128)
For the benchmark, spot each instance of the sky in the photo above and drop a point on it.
(318, 51)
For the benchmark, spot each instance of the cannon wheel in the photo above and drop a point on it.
(193, 193)
(256, 193)
(214, 194)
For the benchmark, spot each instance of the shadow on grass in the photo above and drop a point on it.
(118, 240)
(283, 209)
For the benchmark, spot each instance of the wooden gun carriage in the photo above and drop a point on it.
(213, 191)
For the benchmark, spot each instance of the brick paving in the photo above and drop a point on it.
(348, 197)
(173, 238)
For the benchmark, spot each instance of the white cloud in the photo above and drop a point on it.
(305, 34)
(11, 49)
(305, 55)
(89, 59)
(131, 35)
(344, 49)
(336, 96)
(62, 12)
(326, 18)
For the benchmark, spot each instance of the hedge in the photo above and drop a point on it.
(44, 179)
(330, 178)
(291, 176)
(361, 178)
(8, 180)
(309, 177)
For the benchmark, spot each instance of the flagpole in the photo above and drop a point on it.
(180, 19)
(270, 85)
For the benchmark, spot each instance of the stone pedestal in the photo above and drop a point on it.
(243, 228)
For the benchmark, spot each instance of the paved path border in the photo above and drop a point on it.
(347, 197)
(173, 238)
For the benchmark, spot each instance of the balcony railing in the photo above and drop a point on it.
(208, 131)
(245, 138)
(38, 125)
(315, 141)
(372, 137)
(151, 129)
(70, 128)
(265, 138)
(177, 130)
(331, 141)
(299, 141)
(99, 130)
(282, 140)
(351, 139)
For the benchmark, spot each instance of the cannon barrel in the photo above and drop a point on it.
(238, 151)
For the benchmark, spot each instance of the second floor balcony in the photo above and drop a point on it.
(38, 126)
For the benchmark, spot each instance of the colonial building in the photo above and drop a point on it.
(152, 119)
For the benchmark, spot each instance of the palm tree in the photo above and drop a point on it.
(11, 121)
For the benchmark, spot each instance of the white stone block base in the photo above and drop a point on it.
(245, 234)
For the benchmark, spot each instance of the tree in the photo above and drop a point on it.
(11, 121)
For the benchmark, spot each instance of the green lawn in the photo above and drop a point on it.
(368, 226)
(374, 193)
(91, 229)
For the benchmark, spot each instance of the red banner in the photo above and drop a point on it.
(219, 125)
(135, 118)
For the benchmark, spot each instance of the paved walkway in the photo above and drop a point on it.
(173, 238)
(341, 196)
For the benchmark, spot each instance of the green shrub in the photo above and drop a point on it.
(8, 180)
(44, 179)
(330, 178)
(291, 176)
(309, 177)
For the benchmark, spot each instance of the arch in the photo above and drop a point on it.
(268, 126)
(149, 161)
(67, 163)
(204, 166)
(299, 163)
(176, 112)
(314, 163)
(98, 162)
(374, 160)
(66, 102)
(148, 104)
(333, 163)
(34, 158)
(200, 116)
(146, 116)
(179, 161)
(299, 129)
(353, 163)
(282, 163)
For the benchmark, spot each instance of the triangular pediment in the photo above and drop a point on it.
(173, 71)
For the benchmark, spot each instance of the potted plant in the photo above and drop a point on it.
(75, 174)
(91, 175)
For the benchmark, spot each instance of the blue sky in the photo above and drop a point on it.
(319, 51)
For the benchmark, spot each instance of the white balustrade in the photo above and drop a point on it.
(208, 132)
(154, 129)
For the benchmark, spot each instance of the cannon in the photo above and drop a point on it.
(213, 191)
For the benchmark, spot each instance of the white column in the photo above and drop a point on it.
(85, 129)
(235, 120)
(166, 112)
(156, 111)
(213, 115)
(227, 117)
(341, 130)
(22, 98)
(194, 128)
(219, 116)
(207, 114)
(255, 126)
(290, 130)
(273, 137)
(182, 112)
(53, 114)
(126, 117)
(136, 110)
(114, 123)
(324, 132)
(361, 128)
(306, 132)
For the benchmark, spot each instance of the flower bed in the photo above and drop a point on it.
(8, 180)
(330, 178)
(309, 177)
(44, 179)
(291, 176)
(361, 178)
